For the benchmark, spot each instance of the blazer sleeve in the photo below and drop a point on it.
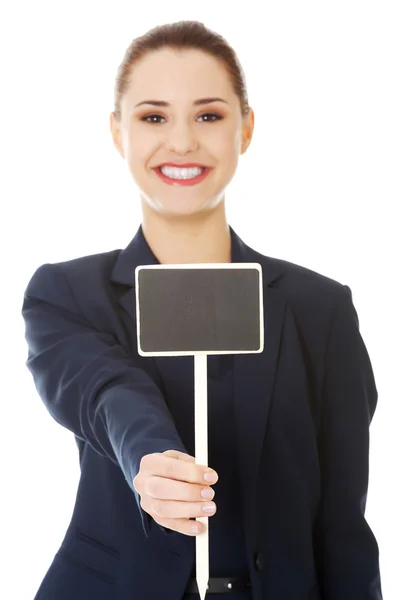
(346, 550)
(89, 383)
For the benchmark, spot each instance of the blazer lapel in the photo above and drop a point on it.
(253, 374)
(253, 384)
(135, 254)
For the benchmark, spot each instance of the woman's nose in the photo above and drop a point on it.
(181, 138)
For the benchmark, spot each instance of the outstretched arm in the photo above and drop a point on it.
(89, 383)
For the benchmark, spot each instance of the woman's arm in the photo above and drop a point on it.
(89, 383)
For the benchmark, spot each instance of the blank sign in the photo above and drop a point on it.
(200, 308)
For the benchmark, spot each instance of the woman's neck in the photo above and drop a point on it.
(205, 239)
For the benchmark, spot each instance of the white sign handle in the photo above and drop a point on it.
(201, 455)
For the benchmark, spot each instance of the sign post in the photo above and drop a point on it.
(199, 310)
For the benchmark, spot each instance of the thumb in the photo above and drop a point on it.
(180, 455)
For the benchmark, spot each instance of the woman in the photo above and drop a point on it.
(288, 428)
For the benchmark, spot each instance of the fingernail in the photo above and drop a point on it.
(207, 493)
(210, 476)
(209, 507)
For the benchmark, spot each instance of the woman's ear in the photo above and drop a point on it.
(248, 128)
(115, 128)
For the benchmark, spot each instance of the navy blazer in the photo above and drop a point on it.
(303, 409)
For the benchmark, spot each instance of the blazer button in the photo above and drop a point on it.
(259, 561)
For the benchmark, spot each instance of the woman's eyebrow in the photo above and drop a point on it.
(198, 102)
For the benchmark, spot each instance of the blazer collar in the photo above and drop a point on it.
(138, 252)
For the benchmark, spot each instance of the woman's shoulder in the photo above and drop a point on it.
(81, 266)
(300, 284)
(99, 260)
(88, 275)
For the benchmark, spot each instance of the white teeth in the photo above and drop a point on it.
(176, 173)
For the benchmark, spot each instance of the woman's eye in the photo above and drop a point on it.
(217, 118)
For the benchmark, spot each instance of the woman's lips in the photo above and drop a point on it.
(184, 182)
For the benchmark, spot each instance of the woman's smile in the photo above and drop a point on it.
(183, 181)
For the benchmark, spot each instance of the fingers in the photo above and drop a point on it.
(173, 509)
(183, 526)
(170, 485)
(164, 465)
(167, 489)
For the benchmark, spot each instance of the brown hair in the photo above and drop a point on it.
(182, 35)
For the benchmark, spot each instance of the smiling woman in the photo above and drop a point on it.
(288, 427)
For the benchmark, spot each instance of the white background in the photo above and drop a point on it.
(319, 186)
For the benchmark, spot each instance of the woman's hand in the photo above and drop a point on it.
(170, 485)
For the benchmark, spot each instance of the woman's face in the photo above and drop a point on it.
(182, 132)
